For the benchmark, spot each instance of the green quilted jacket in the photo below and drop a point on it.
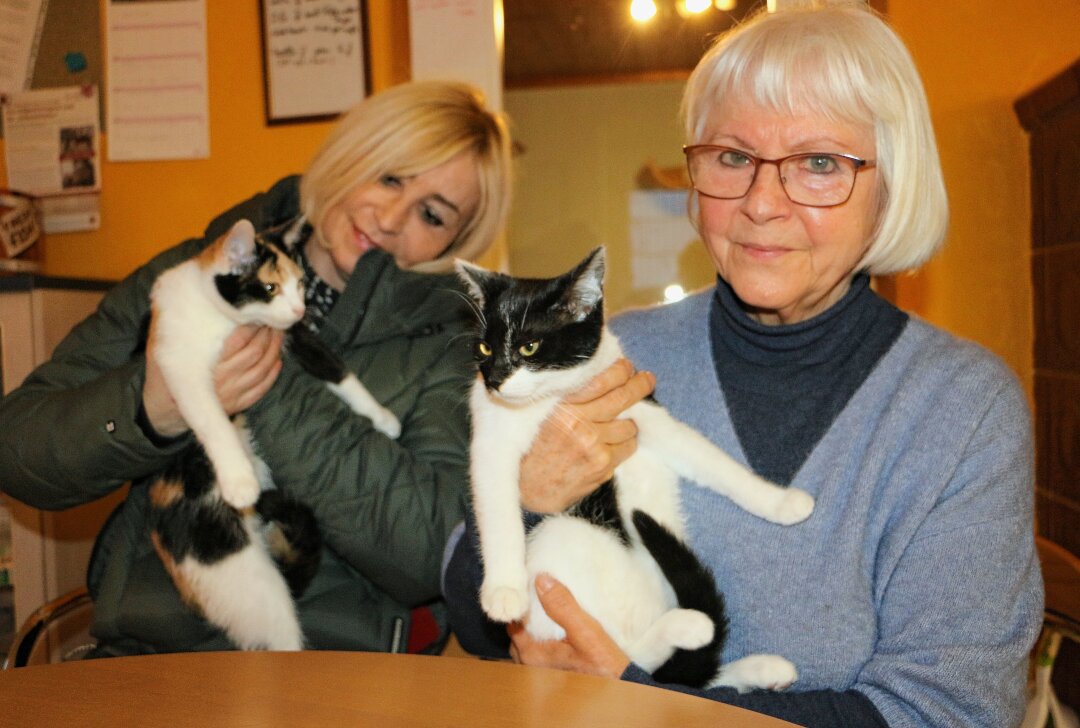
(385, 507)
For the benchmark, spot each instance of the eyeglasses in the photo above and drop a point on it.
(813, 179)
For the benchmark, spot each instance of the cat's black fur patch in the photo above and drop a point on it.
(300, 529)
(244, 286)
(695, 588)
(205, 528)
(313, 355)
(518, 311)
(601, 508)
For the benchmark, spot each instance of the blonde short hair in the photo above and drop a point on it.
(844, 62)
(409, 129)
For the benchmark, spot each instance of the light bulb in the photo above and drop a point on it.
(642, 10)
(674, 293)
(725, 5)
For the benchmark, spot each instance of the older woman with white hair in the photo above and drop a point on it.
(912, 595)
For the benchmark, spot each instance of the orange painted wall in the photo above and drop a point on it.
(149, 206)
(976, 59)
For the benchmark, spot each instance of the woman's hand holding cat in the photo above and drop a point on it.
(587, 648)
(248, 366)
(583, 441)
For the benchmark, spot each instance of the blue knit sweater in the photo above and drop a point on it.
(915, 581)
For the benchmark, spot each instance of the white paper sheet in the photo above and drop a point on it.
(314, 57)
(20, 31)
(51, 152)
(158, 105)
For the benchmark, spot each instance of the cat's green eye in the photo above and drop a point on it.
(270, 288)
(529, 349)
(484, 349)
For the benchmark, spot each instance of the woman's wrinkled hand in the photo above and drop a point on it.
(587, 648)
(249, 364)
(584, 440)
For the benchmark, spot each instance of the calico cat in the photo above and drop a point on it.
(620, 550)
(238, 551)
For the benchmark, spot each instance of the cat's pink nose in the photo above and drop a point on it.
(298, 310)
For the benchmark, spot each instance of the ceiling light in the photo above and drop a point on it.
(693, 7)
(642, 10)
(725, 5)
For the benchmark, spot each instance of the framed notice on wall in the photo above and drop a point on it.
(315, 58)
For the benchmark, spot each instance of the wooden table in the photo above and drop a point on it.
(331, 689)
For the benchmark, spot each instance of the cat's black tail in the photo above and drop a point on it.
(695, 588)
(294, 538)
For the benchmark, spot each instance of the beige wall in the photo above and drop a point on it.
(585, 145)
(977, 58)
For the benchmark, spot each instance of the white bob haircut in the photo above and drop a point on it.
(842, 61)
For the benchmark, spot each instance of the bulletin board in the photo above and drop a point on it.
(69, 52)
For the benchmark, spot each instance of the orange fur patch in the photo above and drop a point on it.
(164, 494)
(177, 576)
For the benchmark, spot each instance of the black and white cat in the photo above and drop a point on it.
(619, 551)
(236, 549)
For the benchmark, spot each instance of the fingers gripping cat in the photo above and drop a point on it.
(620, 551)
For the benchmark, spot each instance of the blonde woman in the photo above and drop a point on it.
(409, 179)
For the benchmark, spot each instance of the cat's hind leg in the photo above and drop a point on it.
(756, 672)
(686, 629)
(246, 596)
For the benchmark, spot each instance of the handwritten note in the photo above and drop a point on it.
(314, 57)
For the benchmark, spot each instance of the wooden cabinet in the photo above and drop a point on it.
(1051, 115)
(48, 551)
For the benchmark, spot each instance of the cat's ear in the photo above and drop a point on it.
(475, 279)
(240, 245)
(587, 290)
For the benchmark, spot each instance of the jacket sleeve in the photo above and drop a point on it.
(69, 432)
(385, 506)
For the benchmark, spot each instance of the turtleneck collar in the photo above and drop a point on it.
(811, 341)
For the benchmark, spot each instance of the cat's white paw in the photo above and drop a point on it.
(239, 488)
(504, 603)
(386, 423)
(688, 629)
(768, 672)
(794, 506)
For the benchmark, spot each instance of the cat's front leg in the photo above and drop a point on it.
(504, 592)
(693, 456)
(495, 456)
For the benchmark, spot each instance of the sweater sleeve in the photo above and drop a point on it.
(953, 642)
